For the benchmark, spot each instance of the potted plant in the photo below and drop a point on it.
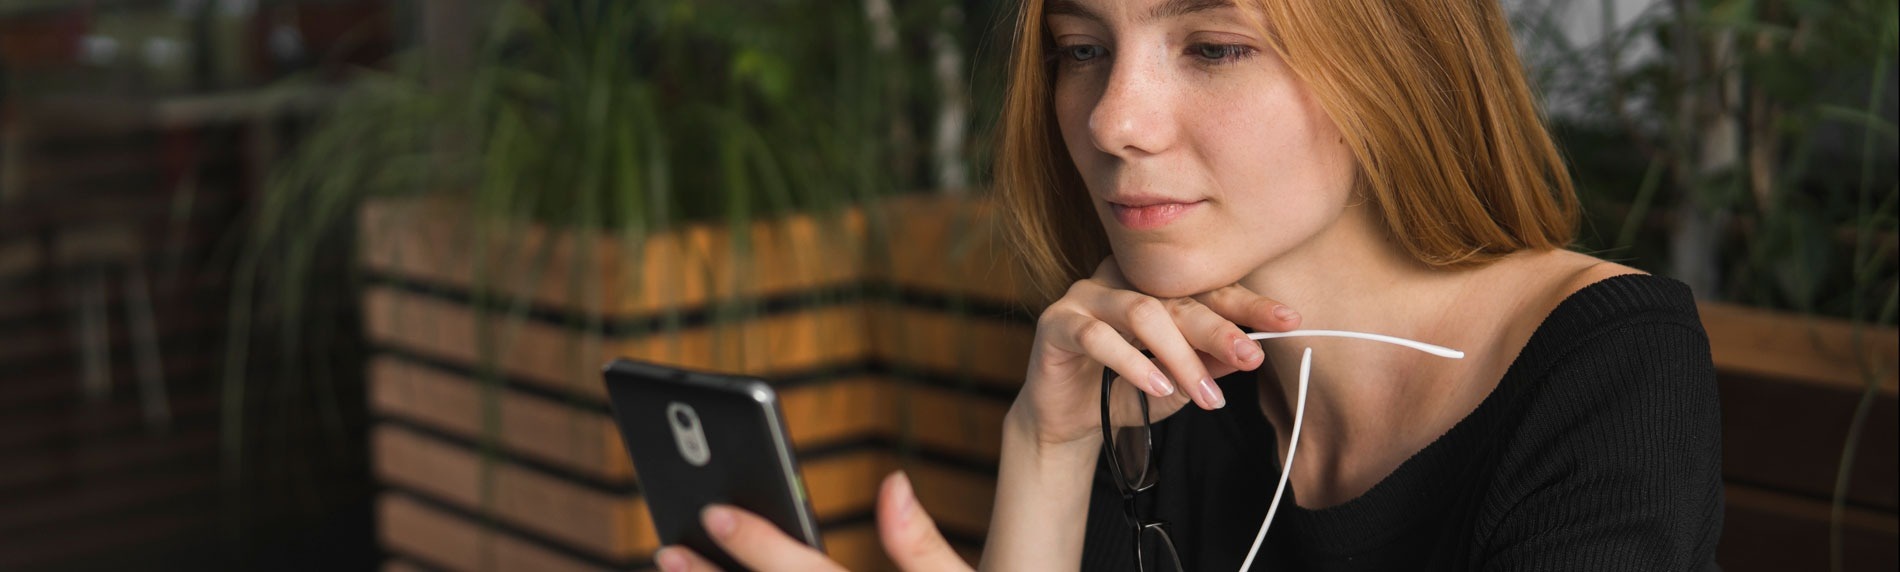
(709, 186)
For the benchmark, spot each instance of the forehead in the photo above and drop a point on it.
(1159, 10)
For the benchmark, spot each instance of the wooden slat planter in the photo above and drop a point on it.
(1789, 386)
(500, 454)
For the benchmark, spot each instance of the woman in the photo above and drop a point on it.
(1189, 167)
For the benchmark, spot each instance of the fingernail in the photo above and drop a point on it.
(1285, 314)
(719, 521)
(1212, 394)
(1245, 349)
(906, 498)
(670, 560)
(1160, 383)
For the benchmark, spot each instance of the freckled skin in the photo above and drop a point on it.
(1146, 111)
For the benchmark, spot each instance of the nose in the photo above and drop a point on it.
(1134, 115)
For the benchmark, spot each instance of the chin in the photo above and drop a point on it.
(1169, 275)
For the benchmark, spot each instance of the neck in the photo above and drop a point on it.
(1361, 394)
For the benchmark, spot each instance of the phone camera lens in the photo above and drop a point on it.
(682, 418)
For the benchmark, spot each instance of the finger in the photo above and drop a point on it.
(682, 559)
(1148, 319)
(910, 536)
(1218, 368)
(1215, 336)
(757, 543)
(1101, 342)
(1242, 306)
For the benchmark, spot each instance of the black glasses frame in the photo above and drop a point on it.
(1145, 479)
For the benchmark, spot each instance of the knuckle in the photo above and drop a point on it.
(1218, 335)
(1093, 331)
(1075, 288)
(1050, 315)
(1218, 294)
(1258, 307)
(1084, 288)
(1145, 308)
(1183, 306)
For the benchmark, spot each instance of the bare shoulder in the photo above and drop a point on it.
(1583, 270)
(1547, 278)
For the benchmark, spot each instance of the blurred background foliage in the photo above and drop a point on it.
(1746, 147)
(643, 114)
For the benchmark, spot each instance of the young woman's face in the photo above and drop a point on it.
(1204, 155)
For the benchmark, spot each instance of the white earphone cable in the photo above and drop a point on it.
(1299, 415)
(1299, 410)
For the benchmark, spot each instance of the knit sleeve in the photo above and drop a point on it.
(1617, 465)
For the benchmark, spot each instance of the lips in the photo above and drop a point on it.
(1145, 213)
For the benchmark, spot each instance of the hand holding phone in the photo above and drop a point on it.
(909, 535)
(699, 439)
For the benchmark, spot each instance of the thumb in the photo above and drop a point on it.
(910, 536)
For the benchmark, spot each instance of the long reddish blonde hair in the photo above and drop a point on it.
(1429, 94)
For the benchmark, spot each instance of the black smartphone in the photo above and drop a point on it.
(698, 438)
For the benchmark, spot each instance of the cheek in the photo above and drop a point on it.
(1284, 163)
(1072, 108)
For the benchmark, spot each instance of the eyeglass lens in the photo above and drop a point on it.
(1157, 553)
(1130, 434)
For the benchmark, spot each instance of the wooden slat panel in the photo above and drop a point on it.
(566, 360)
(102, 459)
(579, 439)
(49, 426)
(1789, 435)
(1816, 350)
(46, 339)
(586, 441)
(846, 484)
(102, 497)
(61, 547)
(993, 352)
(610, 526)
(614, 527)
(427, 240)
(951, 246)
(857, 548)
(948, 420)
(415, 529)
(958, 499)
(837, 411)
(54, 296)
(585, 518)
(186, 368)
(1770, 531)
(409, 527)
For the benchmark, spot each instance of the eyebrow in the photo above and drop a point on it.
(1168, 9)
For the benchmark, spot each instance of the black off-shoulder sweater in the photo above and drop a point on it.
(1598, 450)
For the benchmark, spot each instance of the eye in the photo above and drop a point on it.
(1081, 52)
(1219, 54)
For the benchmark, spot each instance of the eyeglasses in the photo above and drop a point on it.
(1128, 442)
